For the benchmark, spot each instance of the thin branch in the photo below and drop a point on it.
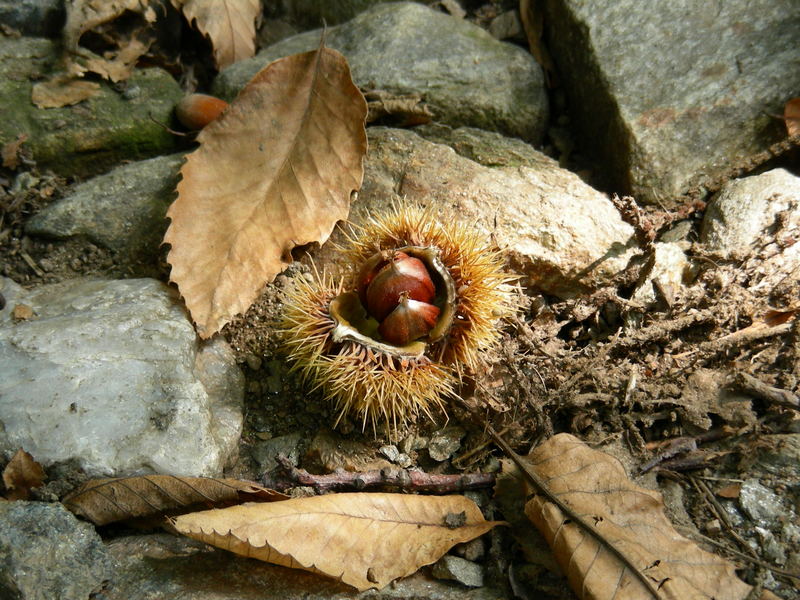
(286, 476)
(755, 387)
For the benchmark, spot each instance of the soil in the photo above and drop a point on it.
(625, 380)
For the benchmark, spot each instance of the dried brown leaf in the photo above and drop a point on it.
(62, 90)
(275, 171)
(404, 110)
(791, 115)
(631, 518)
(103, 501)
(229, 24)
(10, 151)
(531, 14)
(366, 540)
(22, 474)
(117, 62)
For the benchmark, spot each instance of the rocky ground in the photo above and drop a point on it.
(674, 317)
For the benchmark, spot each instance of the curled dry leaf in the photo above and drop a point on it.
(103, 501)
(273, 172)
(21, 475)
(366, 540)
(229, 24)
(117, 62)
(791, 115)
(10, 151)
(62, 90)
(629, 518)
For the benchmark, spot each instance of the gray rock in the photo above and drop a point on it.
(472, 550)
(760, 503)
(487, 148)
(110, 373)
(266, 453)
(47, 554)
(33, 17)
(672, 95)
(466, 76)
(95, 134)
(123, 210)
(312, 14)
(445, 443)
(745, 209)
(390, 452)
(779, 454)
(458, 569)
(563, 236)
(163, 567)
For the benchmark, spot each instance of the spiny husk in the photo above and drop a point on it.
(483, 288)
(376, 387)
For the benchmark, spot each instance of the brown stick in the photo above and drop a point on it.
(287, 476)
(755, 387)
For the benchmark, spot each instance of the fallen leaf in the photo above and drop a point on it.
(118, 60)
(791, 115)
(10, 151)
(274, 171)
(631, 519)
(62, 90)
(405, 110)
(104, 501)
(366, 540)
(732, 490)
(531, 14)
(22, 312)
(229, 24)
(22, 474)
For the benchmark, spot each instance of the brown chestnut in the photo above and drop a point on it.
(409, 321)
(403, 274)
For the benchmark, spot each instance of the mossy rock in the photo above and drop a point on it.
(94, 135)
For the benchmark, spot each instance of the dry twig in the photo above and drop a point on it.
(286, 476)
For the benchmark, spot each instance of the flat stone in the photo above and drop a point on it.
(91, 136)
(123, 210)
(779, 454)
(672, 95)
(111, 374)
(466, 76)
(561, 235)
(458, 569)
(760, 503)
(46, 553)
(163, 567)
(445, 443)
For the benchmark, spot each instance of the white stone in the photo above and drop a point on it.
(667, 272)
(111, 373)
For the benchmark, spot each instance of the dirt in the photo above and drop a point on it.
(623, 379)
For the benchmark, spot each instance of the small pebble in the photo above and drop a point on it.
(390, 453)
(458, 569)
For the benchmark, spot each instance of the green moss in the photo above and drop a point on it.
(91, 136)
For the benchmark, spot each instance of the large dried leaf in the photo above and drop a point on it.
(366, 540)
(229, 24)
(275, 171)
(103, 501)
(62, 90)
(21, 475)
(125, 47)
(631, 518)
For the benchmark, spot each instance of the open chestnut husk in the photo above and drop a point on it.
(395, 338)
